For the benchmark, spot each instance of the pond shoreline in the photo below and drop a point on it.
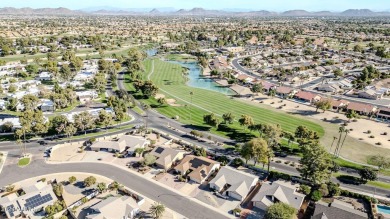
(196, 79)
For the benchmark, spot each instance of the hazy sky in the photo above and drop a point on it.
(275, 5)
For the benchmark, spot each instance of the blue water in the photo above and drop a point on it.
(151, 52)
(195, 79)
(383, 209)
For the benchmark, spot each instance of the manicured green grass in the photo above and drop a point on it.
(378, 184)
(138, 110)
(103, 132)
(8, 112)
(348, 164)
(178, 57)
(169, 79)
(24, 162)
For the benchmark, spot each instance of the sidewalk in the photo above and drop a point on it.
(3, 159)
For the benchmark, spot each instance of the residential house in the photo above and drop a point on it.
(335, 210)
(233, 183)
(47, 105)
(35, 199)
(219, 63)
(277, 191)
(370, 94)
(166, 157)
(44, 76)
(361, 108)
(84, 76)
(267, 86)
(333, 87)
(384, 113)
(307, 97)
(125, 144)
(124, 207)
(197, 169)
(86, 96)
(14, 120)
(338, 104)
(285, 92)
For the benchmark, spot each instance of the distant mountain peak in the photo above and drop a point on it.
(154, 11)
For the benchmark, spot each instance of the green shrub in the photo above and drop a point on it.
(316, 195)
(305, 189)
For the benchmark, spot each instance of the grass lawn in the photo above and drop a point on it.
(178, 57)
(378, 184)
(24, 162)
(103, 132)
(8, 112)
(138, 110)
(169, 79)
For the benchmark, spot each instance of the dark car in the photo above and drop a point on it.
(280, 154)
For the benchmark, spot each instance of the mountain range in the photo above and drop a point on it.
(183, 12)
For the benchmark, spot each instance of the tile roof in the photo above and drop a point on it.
(283, 192)
(240, 182)
(336, 210)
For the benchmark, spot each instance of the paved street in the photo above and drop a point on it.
(183, 205)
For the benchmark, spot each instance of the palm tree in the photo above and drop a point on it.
(146, 108)
(157, 210)
(331, 146)
(342, 144)
(341, 130)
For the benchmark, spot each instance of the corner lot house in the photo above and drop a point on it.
(233, 183)
(37, 197)
(337, 209)
(166, 156)
(198, 169)
(277, 191)
(114, 207)
(126, 143)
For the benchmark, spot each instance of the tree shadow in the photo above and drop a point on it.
(235, 134)
(79, 185)
(352, 180)
(198, 127)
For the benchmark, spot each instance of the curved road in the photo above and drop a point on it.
(183, 205)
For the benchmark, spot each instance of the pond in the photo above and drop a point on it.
(196, 80)
(151, 52)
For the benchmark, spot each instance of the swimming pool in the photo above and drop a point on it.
(383, 209)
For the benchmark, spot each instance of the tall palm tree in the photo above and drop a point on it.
(341, 131)
(157, 210)
(331, 146)
(146, 108)
(346, 131)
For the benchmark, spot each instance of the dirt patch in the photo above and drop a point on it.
(158, 96)
(172, 102)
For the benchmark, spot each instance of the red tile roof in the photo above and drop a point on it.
(284, 90)
(360, 107)
(304, 95)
